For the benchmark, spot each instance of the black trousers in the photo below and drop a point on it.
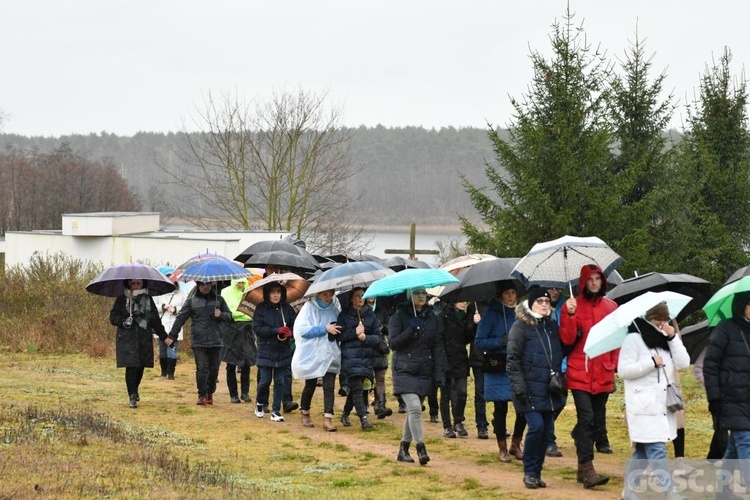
(453, 401)
(499, 421)
(207, 362)
(355, 398)
(133, 377)
(590, 412)
(232, 380)
(329, 382)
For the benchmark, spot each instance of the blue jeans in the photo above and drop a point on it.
(265, 374)
(644, 454)
(738, 447)
(540, 425)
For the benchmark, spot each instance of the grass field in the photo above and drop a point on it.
(67, 433)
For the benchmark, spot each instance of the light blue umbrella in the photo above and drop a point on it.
(214, 268)
(409, 279)
(609, 333)
(346, 276)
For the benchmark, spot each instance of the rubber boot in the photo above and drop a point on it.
(502, 445)
(590, 477)
(171, 364)
(515, 448)
(328, 425)
(403, 453)
(422, 454)
(163, 363)
(306, 421)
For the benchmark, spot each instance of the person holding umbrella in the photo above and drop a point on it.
(649, 357)
(239, 351)
(317, 354)
(273, 323)
(492, 339)
(589, 380)
(136, 316)
(417, 365)
(169, 306)
(207, 309)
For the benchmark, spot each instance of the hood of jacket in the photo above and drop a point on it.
(267, 290)
(526, 315)
(586, 272)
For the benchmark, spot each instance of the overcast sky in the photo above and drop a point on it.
(142, 65)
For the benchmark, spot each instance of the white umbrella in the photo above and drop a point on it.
(609, 333)
(557, 263)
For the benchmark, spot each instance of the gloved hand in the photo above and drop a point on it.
(283, 332)
(127, 322)
(416, 323)
(714, 407)
(521, 397)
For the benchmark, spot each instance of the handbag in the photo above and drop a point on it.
(674, 398)
(494, 362)
(558, 385)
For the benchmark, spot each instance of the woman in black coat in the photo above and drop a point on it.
(534, 352)
(135, 315)
(417, 365)
(273, 322)
(360, 335)
(458, 332)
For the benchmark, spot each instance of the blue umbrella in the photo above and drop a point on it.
(213, 268)
(409, 279)
(110, 282)
(346, 276)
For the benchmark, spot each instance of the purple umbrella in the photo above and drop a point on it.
(110, 282)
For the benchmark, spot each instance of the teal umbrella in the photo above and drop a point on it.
(719, 306)
(409, 279)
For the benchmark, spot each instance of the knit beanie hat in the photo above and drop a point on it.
(535, 293)
(505, 285)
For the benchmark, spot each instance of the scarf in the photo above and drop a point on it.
(138, 304)
(652, 336)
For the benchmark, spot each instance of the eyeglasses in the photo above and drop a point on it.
(542, 301)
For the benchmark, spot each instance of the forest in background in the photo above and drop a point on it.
(402, 174)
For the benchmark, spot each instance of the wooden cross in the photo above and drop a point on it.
(412, 243)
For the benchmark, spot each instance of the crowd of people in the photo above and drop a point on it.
(526, 355)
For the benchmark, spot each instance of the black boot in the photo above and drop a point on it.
(164, 364)
(403, 453)
(422, 454)
(381, 410)
(171, 364)
(365, 422)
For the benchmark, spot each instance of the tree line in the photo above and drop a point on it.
(587, 155)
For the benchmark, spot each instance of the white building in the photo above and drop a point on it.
(118, 237)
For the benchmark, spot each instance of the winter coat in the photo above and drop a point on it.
(204, 330)
(529, 368)
(176, 299)
(726, 367)
(648, 419)
(238, 338)
(315, 354)
(356, 355)
(592, 375)
(457, 334)
(273, 352)
(134, 346)
(475, 355)
(417, 363)
(492, 336)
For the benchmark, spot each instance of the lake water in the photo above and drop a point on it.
(424, 240)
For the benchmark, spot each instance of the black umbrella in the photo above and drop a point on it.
(695, 339)
(478, 282)
(283, 260)
(273, 246)
(738, 274)
(399, 263)
(687, 284)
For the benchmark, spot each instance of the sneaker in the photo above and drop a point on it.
(553, 451)
(246, 398)
(133, 403)
(276, 417)
(682, 468)
(482, 434)
(434, 419)
(460, 429)
(449, 433)
(235, 399)
(259, 410)
(290, 406)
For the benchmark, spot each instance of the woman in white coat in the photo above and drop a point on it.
(651, 351)
(317, 353)
(169, 306)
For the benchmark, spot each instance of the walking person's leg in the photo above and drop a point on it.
(214, 360)
(245, 383)
(583, 436)
(413, 426)
(231, 373)
(201, 373)
(601, 438)
(265, 374)
(445, 409)
(480, 406)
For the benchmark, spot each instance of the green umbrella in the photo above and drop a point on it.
(719, 307)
